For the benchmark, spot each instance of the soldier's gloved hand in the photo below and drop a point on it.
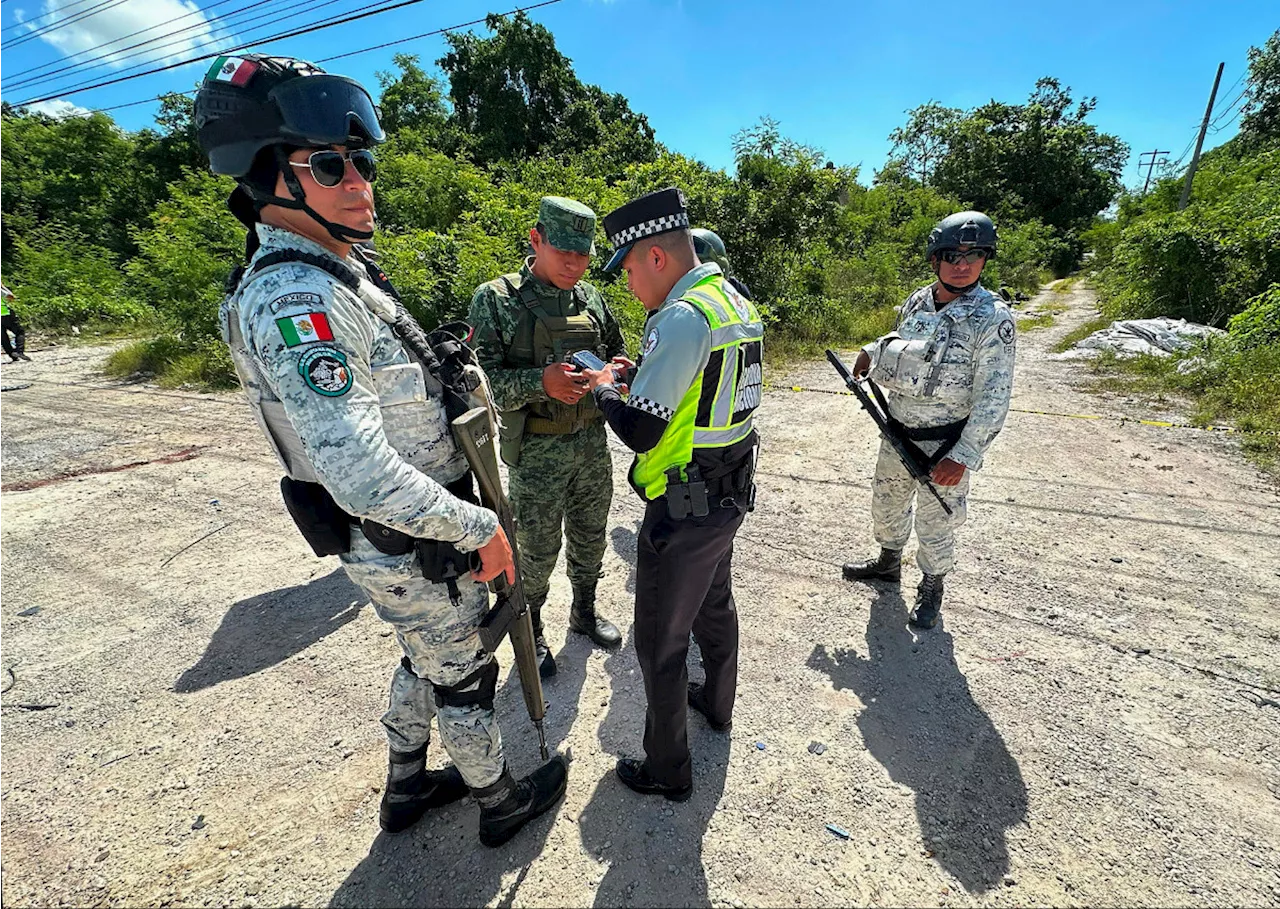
(861, 365)
(495, 558)
(561, 382)
(947, 472)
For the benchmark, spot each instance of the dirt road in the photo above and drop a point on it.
(191, 699)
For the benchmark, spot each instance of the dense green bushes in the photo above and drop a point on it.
(129, 230)
(1216, 262)
(1202, 263)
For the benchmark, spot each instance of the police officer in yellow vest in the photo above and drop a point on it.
(689, 419)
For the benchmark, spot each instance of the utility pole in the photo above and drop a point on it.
(1195, 158)
(1150, 165)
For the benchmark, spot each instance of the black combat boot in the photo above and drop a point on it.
(413, 790)
(546, 662)
(887, 567)
(507, 805)
(583, 619)
(928, 601)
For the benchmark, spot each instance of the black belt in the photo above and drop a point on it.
(392, 542)
(935, 433)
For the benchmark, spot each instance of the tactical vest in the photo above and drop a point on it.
(449, 367)
(542, 339)
(717, 410)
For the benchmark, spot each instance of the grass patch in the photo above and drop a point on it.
(173, 361)
(784, 346)
(1065, 285)
(1039, 320)
(1080, 332)
(1230, 384)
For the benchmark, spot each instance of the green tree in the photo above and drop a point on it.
(922, 142)
(81, 172)
(1261, 112)
(1039, 160)
(517, 96)
(413, 101)
(185, 253)
(171, 149)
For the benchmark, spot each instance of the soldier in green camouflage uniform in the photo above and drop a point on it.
(527, 325)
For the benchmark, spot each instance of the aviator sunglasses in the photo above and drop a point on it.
(329, 167)
(955, 256)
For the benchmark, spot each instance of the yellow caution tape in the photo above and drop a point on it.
(1163, 424)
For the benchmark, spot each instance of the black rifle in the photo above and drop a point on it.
(474, 434)
(918, 470)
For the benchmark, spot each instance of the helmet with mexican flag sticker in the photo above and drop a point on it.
(254, 103)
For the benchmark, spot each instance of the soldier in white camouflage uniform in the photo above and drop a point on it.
(351, 399)
(947, 372)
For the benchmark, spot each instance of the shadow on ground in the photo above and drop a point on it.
(261, 631)
(922, 724)
(635, 841)
(650, 849)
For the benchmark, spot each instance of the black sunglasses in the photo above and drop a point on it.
(329, 167)
(955, 256)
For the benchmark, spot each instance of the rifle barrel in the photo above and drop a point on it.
(882, 423)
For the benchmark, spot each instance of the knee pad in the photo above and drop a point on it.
(481, 696)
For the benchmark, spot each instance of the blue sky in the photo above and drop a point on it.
(838, 75)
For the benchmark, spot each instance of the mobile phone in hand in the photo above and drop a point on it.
(585, 359)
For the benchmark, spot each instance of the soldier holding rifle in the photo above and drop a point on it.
(356, 401)
(943, 378)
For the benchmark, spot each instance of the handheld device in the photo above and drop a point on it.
(585, 359)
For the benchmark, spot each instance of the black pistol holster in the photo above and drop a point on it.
(442, 562)
(325, 526)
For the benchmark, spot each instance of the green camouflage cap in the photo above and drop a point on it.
(570, 225)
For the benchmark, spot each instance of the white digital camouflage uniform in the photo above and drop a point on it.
(961, 367)
(365, 428)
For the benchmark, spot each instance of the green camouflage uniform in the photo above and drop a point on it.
(560, 478)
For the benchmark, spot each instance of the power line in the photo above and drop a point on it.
(1151, 165)
(197, 44)
(92, 11)
(199, 57)
(1230, 107)
(438, 31)
(26, 22)
(363, 50)
(19, 76)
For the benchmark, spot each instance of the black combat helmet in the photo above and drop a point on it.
(255, 102)
(965, 228)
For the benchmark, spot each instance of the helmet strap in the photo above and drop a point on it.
(959, 290)
(340, 232)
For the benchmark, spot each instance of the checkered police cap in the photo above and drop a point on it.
(655, 213)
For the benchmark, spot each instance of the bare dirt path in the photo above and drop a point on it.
(190, 714)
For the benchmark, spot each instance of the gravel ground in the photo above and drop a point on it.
(191, 699)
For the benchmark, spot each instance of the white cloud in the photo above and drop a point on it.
(112, 30)
(59, 108)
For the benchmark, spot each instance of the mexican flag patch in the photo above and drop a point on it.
(235, 70)
(304, 329)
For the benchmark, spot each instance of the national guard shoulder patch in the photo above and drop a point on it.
(1006, 331)
(325, 371)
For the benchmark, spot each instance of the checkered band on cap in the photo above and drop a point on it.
(649, 228)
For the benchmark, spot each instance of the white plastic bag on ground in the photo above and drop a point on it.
(1158, 337)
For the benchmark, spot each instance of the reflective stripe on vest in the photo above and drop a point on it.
(718, 408)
